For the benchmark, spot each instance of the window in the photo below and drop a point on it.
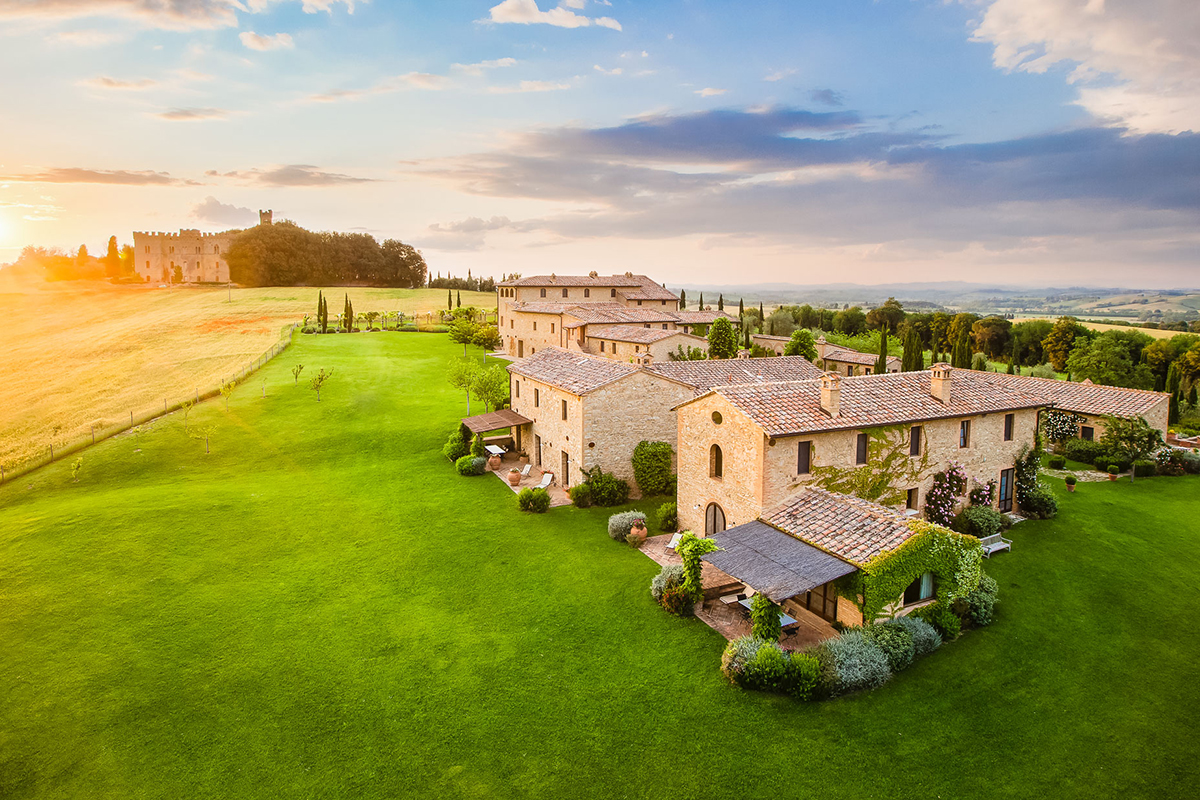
(1008, 427)
(564, 409)
(552, 327)
(543, 292)
(535, 325)
(147, 248)
(914, 442)
(587, 292)
(518, 388)
(663, 302)
(860, 450)
(664, 326)
(197, 251)
(849, 371)
(614, 348)
(536, 398)
(804, 458)
(920, 589)
(639, 302)
(646, 325)
(217, 248)
(1087, 433)
(716, 462)
(601, 345)
(964, 433)
(147, 265)
(716, 417)
(511, 323)
(564, 292)
(637, 348)
(910, 500)
(172, 248)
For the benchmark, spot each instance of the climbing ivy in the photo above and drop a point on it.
(886, 475)
(954, 559)
(690, 549)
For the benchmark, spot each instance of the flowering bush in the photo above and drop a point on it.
(982, 494)
(1060, 425)
(947, 487)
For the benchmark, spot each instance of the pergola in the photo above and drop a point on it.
(494, 420)
(772, 562)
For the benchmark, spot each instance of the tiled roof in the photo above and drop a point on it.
(649, 291)
(612, 313)
(575, 372)
(702, 317)
(705, 375)
(633, 333)
(643, 287)
(542, 308)
(848, 356)
(867, 401)
(849, 528)
(1084, 398)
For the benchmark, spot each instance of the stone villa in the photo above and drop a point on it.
(615, 317)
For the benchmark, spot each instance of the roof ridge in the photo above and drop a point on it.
(1060, 382)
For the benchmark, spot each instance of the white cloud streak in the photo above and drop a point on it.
(263, 43)
(526, 12)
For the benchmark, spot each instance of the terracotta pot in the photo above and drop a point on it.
(1112, 477)
(1070, 487)
(514, 477)
(523, 460)
(638, 527)
(494, 463)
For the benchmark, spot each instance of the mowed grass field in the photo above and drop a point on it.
(323, 608)
(79, 354)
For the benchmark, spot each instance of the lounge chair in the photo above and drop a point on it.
(547, 479)
(525, 470)
(674, 541)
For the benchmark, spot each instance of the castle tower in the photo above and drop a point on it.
(264, 217)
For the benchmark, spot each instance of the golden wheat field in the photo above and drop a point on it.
(80, 354)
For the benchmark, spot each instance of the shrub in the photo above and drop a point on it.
(581, 495)
(1069, 480)
(1113, 469)
(925, 638)
(669, 575)
(944, 620)
(533, 500)
(895, 642)
(851, 662)
(802, 674)
(619, 524)
(607, 489)
(652, 467)
(477, 448)
(455, 448)
(982, 601)
(1043, 371)
(471, 465)
(668, 517)
(1057, 462)
(978, 521)
(1169, 461)
(1040, 504)
(979, 362)
(1083, 451)
(982, 494)
(765, 619)
(1191, 462)
(1144, 468)
(738, 653)
(767, 670)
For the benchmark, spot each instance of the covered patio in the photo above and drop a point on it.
(507, 447)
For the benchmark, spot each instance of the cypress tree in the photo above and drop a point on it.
(682, 299)
(1013, 367)
(458, 304)
(701, 306)
(881, 362)
(1192, 396)
(320, 302)
(961, 358)
(351, 317)
(741, 308)
(762, 318)
(914, 356)
(720, 302)
(449, 300)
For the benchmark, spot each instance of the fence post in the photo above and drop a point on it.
(51, 452)
(131, 419)
(93, 434)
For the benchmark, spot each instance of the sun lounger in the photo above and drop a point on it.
(525, 470)
(674, 541)
(547, 479)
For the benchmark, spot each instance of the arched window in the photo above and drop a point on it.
(716, 459)
(714, 519)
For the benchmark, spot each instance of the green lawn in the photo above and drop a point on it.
(322, 608)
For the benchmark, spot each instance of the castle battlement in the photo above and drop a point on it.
(184, 233)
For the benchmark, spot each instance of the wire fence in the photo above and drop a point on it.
(55, 452)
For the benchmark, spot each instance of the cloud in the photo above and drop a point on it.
(84, 38)
(1136, 64)
(708, 91)
(192, 114)
(216, 212)
(466, 234)
(180, 15)
(105, 82)
(257, 41)
(613, 71)
(827, 97)
(410, 80)
(779, 75)
(117, 177)
(478, 67)
(526, 12)
(530, 86)
(800, 179)
(291, 175)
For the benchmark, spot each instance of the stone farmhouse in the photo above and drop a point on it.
(578, 411)
(200, 257)
(834, 358)
(615, 317)
(744, 449)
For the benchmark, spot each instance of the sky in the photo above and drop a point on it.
(1025, 142)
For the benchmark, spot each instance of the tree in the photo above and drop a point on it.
(1027, 338)
(371, 317)
(226, 390)
(487, 337)
(449, 300)
(690, 550)
(691, 354)
(458, 299)
(887, 316)
(722, 341)
(1130, 438)
(914, 355)
(720, 302)
(1060, 340)
(991, 336)
(296, 370)
(463, 373)
(318, 381)
(320, 307)
(881, 361)
(491, 386)
(808, 317)
(761, 316)
(961, 358)
(741, 309)
(1106, 360)
(682, 299)
(177, 274)
(765, 619)
(112, 261)
(801, 344)
(701, 306)
(128, 264)
(850, 321)
(462, 332)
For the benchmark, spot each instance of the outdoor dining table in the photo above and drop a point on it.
(494, 450)
(784, 619)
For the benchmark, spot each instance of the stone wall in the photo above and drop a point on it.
(557, 435)
(743, 446)
(200, 256)
(623, 413)
(533, 331)
(1158, 416)
(659, 351)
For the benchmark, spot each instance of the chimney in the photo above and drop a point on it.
(743, 354)
(644, 359)
(821, 345)
(940, 382)
(831, 394)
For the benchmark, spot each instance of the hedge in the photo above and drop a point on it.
(652, 467)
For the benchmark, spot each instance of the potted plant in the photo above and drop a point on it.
(1070, 480)
(1113, 471)
(638, 528)
(523, 458)
(636, 538)
(514, 477)
(494, 463)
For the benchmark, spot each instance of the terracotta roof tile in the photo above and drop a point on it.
(575, 372)
(613, 313)
(705, 375)
(1083, 398)
(852, 529)
(641, 286)
(634, 333)
(868, 401)
(702, 317)
(846, 355)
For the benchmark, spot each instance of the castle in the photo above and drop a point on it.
(185, 257)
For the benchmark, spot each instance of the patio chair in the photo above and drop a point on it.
(547, 479)
(674, 541)
(525, 470)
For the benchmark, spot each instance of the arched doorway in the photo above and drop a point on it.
(714, 519)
